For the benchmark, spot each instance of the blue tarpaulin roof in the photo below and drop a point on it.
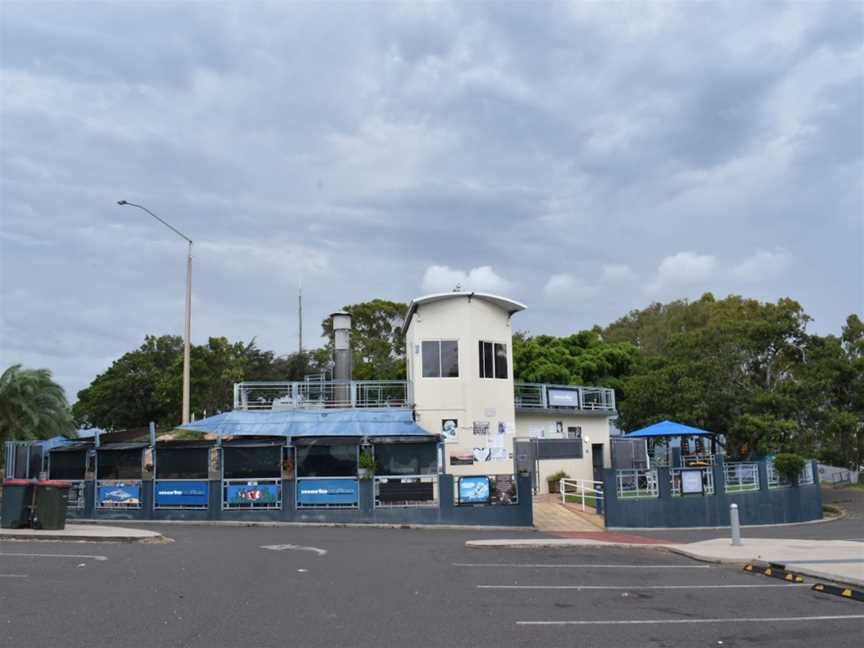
(668, 429)
(311, 423)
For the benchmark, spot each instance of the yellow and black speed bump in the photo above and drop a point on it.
(774, 570)
(845, 592)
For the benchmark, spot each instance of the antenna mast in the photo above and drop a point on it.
(300, 317)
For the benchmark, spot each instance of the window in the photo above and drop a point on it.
(440, 359)
(68, 465)
(406, 458)
(574, 432)
(327, 461)
(250, 462)
(493, 360)
(119, 464)
(182, 463)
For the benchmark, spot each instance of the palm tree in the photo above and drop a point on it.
(32, 405)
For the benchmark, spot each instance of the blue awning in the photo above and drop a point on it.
(668, 429)
(312, 423)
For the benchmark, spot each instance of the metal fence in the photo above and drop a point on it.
(582, 491)
(536, 395)
(75, 499)
(636, 484)
(321, 394)
(741, 477)
(776, 480)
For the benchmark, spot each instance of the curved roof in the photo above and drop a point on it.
(505, 304)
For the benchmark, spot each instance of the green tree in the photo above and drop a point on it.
(32, 405)
(376, 339)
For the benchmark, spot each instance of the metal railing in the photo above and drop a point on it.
(776, 480)
(741, 477)
(582, 491)
(407, 481)
(321, 394)
(75, 499)
(536, 395)
(636, 484)
(707, 480)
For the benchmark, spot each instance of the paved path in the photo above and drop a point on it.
(551, 516)
(78, 532)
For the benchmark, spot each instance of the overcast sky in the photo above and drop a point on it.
(586, 159)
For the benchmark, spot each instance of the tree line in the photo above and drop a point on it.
(737, 366)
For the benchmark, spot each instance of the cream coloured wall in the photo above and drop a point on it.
(468, 398)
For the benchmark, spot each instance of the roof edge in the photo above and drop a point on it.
(505, 303)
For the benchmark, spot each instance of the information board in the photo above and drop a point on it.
(182, 493)
(327, 492)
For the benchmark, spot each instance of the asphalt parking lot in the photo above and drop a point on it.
(218, 586)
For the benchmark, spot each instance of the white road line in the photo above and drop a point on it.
(637, 587)
(35, 555)
(839, 617)
(579, 566)
(13, 575)
(283, 547)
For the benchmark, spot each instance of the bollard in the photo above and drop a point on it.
(735, 524)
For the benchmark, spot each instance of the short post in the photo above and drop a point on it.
(735, 524)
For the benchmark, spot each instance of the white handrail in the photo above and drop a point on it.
(581, 486)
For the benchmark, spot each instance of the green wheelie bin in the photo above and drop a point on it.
(17, 498)
(50, 510)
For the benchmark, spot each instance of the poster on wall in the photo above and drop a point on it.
(252, 494)
(474, 490)
(691, 482)
(182, 493)
(481, 428)
(327, 492)
(504, 490)
(482, 454)
(465, 459)
(498, 454)
(450, 430)
(120, 494)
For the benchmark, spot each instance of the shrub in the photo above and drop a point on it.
(789, 465)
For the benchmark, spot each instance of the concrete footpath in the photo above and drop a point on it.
(84, 532)
(836, 560)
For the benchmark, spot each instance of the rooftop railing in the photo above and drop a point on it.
(573, 397)
(315, 394)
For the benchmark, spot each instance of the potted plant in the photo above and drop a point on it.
(367, 464)
(789, 465)
(554, 481)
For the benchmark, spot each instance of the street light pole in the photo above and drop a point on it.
(187, 332)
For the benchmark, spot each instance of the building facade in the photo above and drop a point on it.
(459, 360)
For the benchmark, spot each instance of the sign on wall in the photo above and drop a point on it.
(252, 493)
(474, 490)
(119, 494)
(327, 492)
(465, 459)
(182, 493)
(691, 482)
(482, 454)
(450, 430)
(562, 397)
(481, 428)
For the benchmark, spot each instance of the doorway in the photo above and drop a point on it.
(597, 461)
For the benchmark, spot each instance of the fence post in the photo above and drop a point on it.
(735, 524)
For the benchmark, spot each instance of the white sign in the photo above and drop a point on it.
(450, 430)
(691, 482)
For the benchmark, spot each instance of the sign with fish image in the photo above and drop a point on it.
(119, 495)
(253, 494)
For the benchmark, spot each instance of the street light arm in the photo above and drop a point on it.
(166, 224)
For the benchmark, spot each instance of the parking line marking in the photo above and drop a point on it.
(837, 617)
(36, 555)
(581, 565)
(637, 587)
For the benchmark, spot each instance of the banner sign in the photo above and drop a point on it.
(252, 494)
(562, 397)
(397, 490)
(474, 490)
(327, 492)
(182, 493)
(119, 494)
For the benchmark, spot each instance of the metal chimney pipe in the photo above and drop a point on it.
(342, 358)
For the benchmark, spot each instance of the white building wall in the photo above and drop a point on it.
(468, 399)
(595, 430)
